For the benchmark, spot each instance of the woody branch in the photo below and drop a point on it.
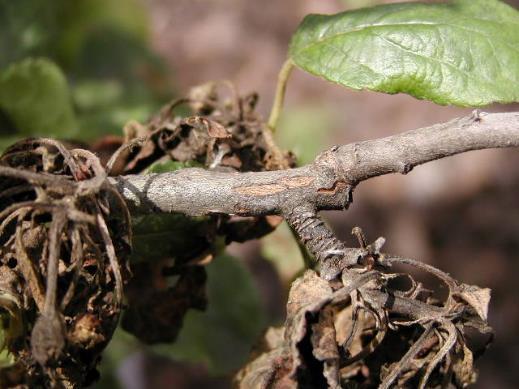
(325, 184)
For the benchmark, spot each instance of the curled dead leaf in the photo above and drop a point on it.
(478, 298)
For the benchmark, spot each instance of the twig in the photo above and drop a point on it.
(319, 239)
(327, 183)
(406, 359)
(279, 98)
(442, 353)
(59, 221)
(112, 257)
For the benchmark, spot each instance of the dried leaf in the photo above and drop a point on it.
(270, 365)
(269, 371)
(463, 367)
(325, 347)
(307, 295)
(62, 223)
(478, 298)
(156, 312)
(306, 298)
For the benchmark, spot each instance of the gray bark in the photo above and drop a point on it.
(327, 183)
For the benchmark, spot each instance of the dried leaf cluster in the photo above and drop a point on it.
(223, 133)
(65, 238)
(366, 330)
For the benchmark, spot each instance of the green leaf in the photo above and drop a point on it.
(297, 130)
(82, 19)
(222, 336)
(282, 250)
(35, 96)
(171, 166)
(464, 52)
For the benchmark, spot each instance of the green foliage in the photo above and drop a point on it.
(282, 250)
(6, 358)
(27, 28)
(101, 47)
(463, 52)
(298, 127)
(11, 326)
(170, 166)
(34, 94)
(82, 20)
(61, 29)
(221, 337)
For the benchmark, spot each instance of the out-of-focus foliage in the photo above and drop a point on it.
(305, 131)
(281, 249)
(156, 236)
(171, 166)
(97, 70)
(35, 96)
(221, 337)
(62, 29)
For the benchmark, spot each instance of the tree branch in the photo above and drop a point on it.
(327, 183)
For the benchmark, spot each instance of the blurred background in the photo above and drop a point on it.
(81, 69)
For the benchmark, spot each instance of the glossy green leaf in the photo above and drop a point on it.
(462, 52)
(34, 94)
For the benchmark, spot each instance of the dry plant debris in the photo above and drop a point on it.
(65, 240)
(222, 132)
(367, 331)
(66, 237)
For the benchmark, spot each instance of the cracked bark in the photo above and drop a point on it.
(331, 253)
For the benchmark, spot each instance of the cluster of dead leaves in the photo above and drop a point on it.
(66, 235)
(364, 332)
(222, 132)
(65, 238)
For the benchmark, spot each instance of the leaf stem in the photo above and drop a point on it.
(279, 98)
